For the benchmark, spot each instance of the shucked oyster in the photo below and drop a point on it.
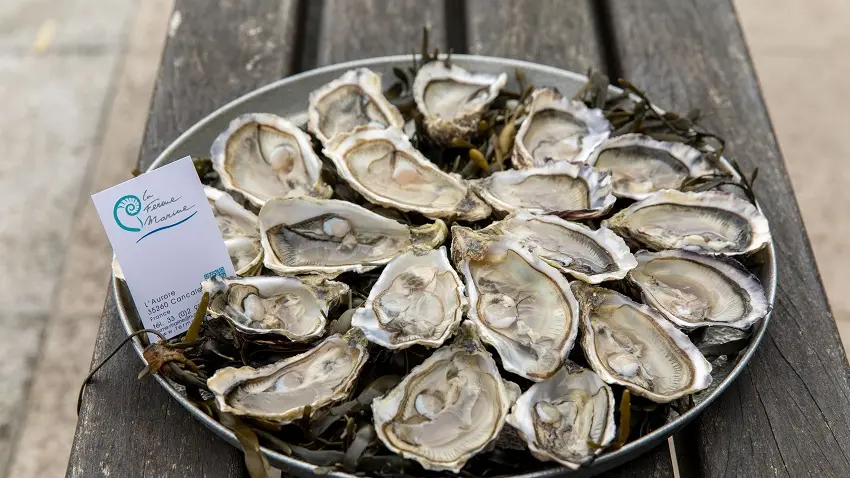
(711, 221)
(418, 299)
(453, 100)
(352, 100)
(286, 306)
(568, 190)
(521, 306)
(239, 228)
(387, 170)
(641, 165)
(557, 129)
(575, 249)
(263, 156)
(694, 290)
(632, 345)
(560, 416)
(448, 408)
(314, 236)
(281, 391)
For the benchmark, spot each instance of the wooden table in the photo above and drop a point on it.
(788, 414)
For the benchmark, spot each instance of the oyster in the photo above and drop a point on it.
(694, 290)
(560, 416)
(521, 306)
(586, 254)
(557, 129)
(239, 228)
(387, 170)
(281, 391)
(315, 236)
(286, 306)
(711, 221)
(564, 189)
(448, 408)
(640, 165)
(632, 345)
(453, 100)
(352, 100)
(263, 156)
(418, 299)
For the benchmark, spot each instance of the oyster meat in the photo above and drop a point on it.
(419, 299)
(712, 222)
(453, 100)
(521, 305)
(387, 170)
(285, 306)
(263, 156)
(448, 408)
(568, 190)
(239, 228)
(560, 416)
(694, 290)
(586, 254)
(632, 345)
(557, 129)
(329, 237)
(281, 391)
(352, 100)
(640, 165)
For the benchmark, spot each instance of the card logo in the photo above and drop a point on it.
(150, 214)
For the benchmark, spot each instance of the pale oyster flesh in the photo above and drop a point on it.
(281, 391)
(632, 345)
(264, 156)
(419, 299)
(693, 290)
(352, 100)
(387, 170)
(287, 306)
(239, 228)
(448, 408)
(331, 237)
(586, 254)
(711, 222)
(522, 306)
(564, 189)
(560, 416)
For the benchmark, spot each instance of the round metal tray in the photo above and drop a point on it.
(288, 98)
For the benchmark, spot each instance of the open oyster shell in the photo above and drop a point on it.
(632, 345)
(453, 100)
(354, 99)
(448, 408)
(329, 237)
(284, 306)
(239, 228)
(560, 416)
(557, 129)
(419, 299)
(521, 306)
(264, 156)
(712, 222)
(281, 391)
(694, 290)
(387, 170)
(586, 254)
(568, 190)
(640, 165)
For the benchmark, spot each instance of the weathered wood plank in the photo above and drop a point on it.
(355, 29)
(551, 32)
(789, 413)
(130, 428)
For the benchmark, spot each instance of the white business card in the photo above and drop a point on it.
(166, 239)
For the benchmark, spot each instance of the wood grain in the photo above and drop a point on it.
(552, 32)
(788, 414)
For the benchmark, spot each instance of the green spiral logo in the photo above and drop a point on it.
(131, 205)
